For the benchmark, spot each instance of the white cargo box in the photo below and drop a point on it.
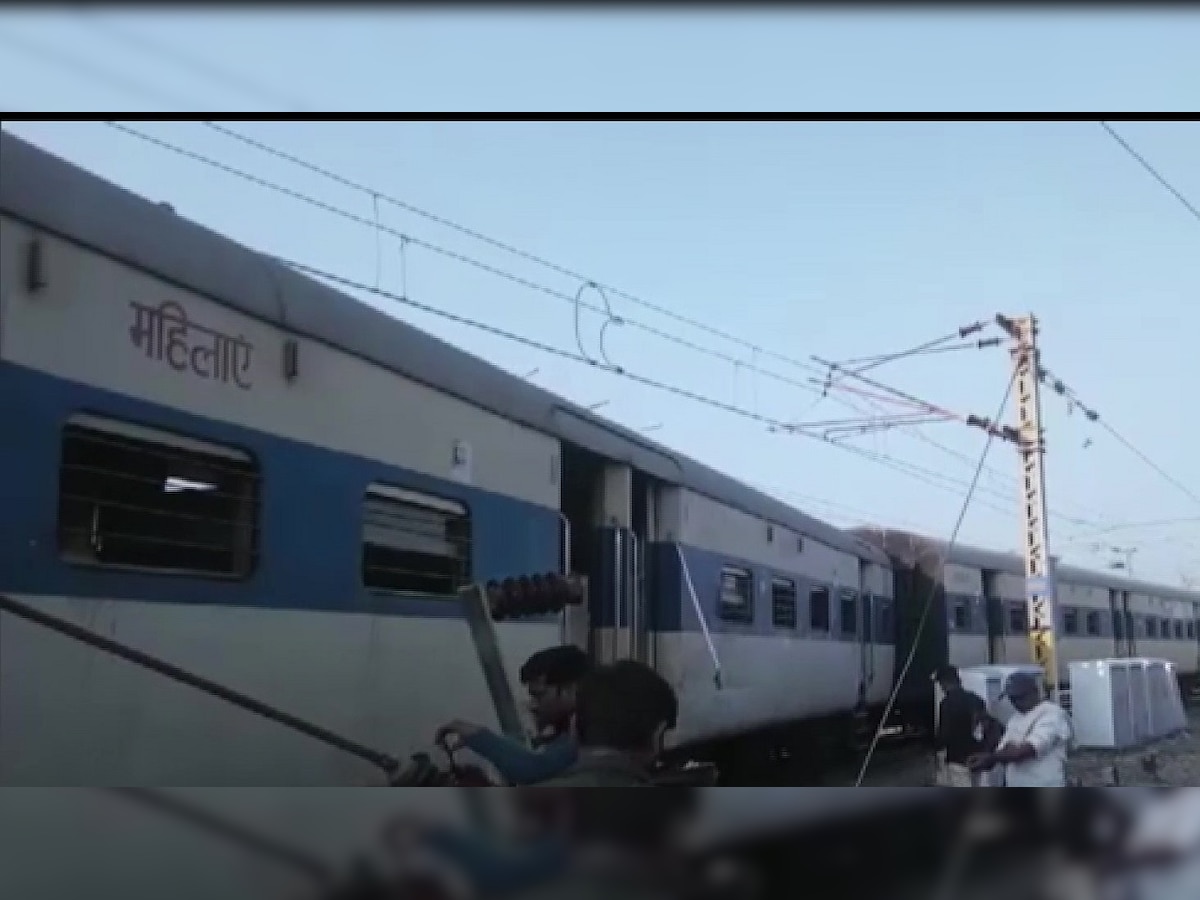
(1106, 707)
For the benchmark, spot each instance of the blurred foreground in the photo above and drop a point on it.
(690, 844)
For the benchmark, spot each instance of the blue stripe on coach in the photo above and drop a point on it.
(311, 513)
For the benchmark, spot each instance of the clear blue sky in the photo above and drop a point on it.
(836, 239)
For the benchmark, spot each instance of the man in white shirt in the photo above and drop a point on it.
(1034, 748)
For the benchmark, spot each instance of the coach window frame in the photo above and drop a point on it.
(194, 455)
(790, 598)
(453, 508)
(742, 612)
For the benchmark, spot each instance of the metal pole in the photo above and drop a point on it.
(1039, 578)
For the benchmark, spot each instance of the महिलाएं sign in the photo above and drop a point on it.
(162, 333)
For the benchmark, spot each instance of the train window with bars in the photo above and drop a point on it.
(1070, 621)
(414, 543)
(1092, 623)
(736, 599)
(818, 609)
(849, 613)
(136, 497)
(783, 603)
(1018, 619)
(1191, 630)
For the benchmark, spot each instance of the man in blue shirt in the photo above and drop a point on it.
(551, 677)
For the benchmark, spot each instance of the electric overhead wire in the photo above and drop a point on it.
(933, 478)
(493, 270)
(912, 654)
(1061, 388)
(575, 299)
(93, 72)
(173, 55)
(1154, 173)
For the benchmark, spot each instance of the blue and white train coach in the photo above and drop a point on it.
(249, 475)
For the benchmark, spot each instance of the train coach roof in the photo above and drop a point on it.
(910, 546)
(61, 198)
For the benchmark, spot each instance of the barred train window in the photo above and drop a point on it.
(783, 603)
(736, 600)
(414, 543)
(136, 497)
(818, 600)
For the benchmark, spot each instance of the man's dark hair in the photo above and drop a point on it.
(559, 666)
(619, 706)
(947, 675)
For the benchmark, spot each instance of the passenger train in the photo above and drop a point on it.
(261, 480)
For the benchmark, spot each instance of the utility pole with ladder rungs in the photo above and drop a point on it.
(1030, 440)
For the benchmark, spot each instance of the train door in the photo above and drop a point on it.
(597, 510)
(994, 610)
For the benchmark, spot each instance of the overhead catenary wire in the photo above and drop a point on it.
(574, 299)
(43, 52)
(1154, 173)
(932, 477)
(928, 606)
(1061, 388)
(180, 59)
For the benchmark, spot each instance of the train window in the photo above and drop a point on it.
(783, 603)
(736, 600)
(1191, 630)
(414, 543)
(1151, 627)
(1118, 624)
(1093, 623)
(849, 611)
(1070, 621)
(1178, 630)
(961, 615)
(818, 613)
(1017, 619)
(137, 497)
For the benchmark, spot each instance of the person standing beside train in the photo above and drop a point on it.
(1034, 748)
(551, 678)
(961, 717)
